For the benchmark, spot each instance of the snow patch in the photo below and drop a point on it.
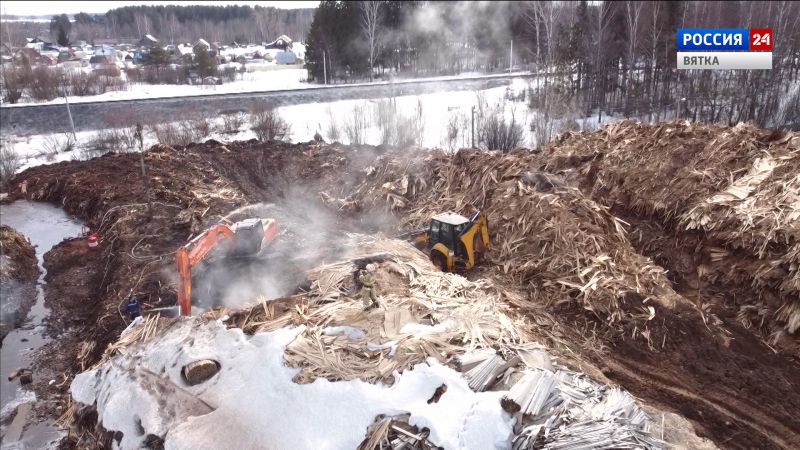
(253, 400)
(352, 333)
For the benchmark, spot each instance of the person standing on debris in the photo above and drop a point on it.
(132, 307)
(367, 280)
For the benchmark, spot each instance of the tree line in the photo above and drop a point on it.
(171, 24)
(353, 40)
(595, 57)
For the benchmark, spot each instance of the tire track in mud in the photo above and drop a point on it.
(716, 412)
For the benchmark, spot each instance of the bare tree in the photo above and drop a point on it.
(543, 16)
(655, 35)
(633, 13)
(12, 34)
(371, 12)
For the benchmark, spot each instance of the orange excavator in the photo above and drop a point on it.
(241, 239)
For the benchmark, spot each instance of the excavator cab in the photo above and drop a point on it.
(455, 241)
(248, 235)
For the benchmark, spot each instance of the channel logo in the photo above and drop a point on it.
(724, 48)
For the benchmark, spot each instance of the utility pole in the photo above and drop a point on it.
(324, 67)
(511, 57)
(473, 127)
(145, 182)
(69, 114)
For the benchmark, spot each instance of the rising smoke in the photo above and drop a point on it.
(310, 235)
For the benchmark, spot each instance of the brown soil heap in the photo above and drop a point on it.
(718, 206)
(18, 274)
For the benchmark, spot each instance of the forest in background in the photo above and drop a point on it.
(609, 57)
(594, 58)
(174, 24)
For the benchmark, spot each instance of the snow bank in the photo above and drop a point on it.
(253, 402)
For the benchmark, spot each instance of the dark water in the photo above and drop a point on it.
(45, 226)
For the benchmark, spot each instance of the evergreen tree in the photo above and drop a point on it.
(83, 18)
(158, 57)
(63, 40)
(60, 27)
(203, 62)
(321, 41)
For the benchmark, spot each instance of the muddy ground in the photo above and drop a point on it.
(18, 274)
(734, 389)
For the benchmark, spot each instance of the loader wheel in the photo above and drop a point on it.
(438, 260)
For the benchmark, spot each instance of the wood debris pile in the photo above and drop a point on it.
(555, 407)
(563, 409)
(738, 186)
(423, 313)
(562, 247)
(395, 433)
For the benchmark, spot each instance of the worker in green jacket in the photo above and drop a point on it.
(367, 280)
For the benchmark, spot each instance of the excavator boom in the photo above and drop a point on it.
(234, 238)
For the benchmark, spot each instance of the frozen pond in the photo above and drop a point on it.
(45, 226)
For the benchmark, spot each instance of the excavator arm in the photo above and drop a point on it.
(192, 253)
(244, 237)
(475, 238)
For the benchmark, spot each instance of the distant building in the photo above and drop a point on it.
(33, 57)
(185, 50)
(286, 57)
(39, 44)
(202, 43)
(104, 50)
(105, 41)
(95, 60)
(148, 41)
(283, 42)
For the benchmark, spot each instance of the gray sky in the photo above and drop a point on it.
(28, 8)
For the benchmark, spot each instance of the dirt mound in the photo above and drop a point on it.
(18, 274)
(728, 197)
(191, 188)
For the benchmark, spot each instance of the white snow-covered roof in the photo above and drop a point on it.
(451, 218)
(185, 49)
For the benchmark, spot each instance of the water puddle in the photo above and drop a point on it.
(45, 225)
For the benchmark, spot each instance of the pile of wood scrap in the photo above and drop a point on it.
(738, 186)
(564, 248)
(395, 433)
(422, 313)
(555, 407)
(559, 408)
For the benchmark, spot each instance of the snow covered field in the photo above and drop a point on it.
(260, 77)
(265, 78)
(442, 120)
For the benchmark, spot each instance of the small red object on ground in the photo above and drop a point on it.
(93, 238)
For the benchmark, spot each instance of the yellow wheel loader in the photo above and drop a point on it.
(453, 241)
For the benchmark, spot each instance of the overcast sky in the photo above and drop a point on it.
(23, 8)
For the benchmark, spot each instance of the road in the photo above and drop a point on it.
(42, 119)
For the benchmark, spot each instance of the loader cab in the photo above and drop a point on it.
(446, 228)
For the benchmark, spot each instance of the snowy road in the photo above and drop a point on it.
(24, 120)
